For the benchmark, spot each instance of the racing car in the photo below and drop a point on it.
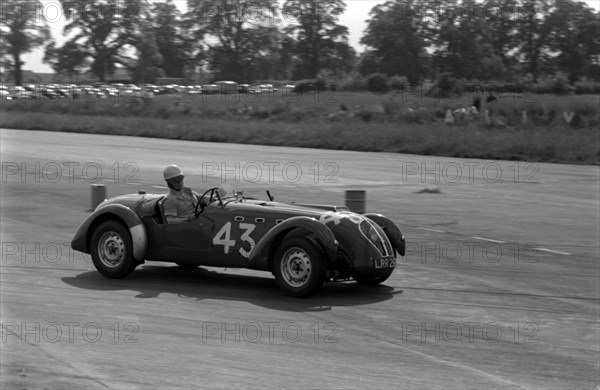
(302, 245)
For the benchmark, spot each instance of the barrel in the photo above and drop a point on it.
(98, 194)
(356, 200)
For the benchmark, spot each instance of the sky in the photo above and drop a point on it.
(355, 17)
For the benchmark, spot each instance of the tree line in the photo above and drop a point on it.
(249, 40)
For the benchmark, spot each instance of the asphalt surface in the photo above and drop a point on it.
(499, 288)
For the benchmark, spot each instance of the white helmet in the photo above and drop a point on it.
(172, 171)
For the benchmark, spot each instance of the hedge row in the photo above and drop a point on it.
(446, 86)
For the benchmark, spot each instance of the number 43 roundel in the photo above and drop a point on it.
(223, 237)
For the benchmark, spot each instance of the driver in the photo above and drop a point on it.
(180, 203)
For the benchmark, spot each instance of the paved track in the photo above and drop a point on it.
(499, 288)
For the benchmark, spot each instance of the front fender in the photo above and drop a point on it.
(392, 231)
(259, 258)
(113, 211)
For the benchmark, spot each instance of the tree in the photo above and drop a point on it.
(147, 66)
(574, 36)
(175, 47)
(69, 59)
(320, 41)
(534, 28)
(105, 28)
(500, 21)
(396, 39)
(464, 43)
(233, 34)
(22, 28)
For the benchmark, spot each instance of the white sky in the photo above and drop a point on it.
(355, 17)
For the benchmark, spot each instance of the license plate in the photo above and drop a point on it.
(385, 263)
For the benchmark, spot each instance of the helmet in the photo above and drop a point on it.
(172, 171)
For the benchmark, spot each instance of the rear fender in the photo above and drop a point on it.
(139, 238)
(392, 231)
(265, 248)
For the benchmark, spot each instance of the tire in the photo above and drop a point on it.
(112, 250)
(374, 281)
(299, 267)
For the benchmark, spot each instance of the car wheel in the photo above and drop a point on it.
(374, 281)
(299, 267)
(112, 250)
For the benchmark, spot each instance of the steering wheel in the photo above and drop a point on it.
(213, 191)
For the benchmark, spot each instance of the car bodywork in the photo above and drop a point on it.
(246, 233)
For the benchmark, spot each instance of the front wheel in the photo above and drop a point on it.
(112, 250)
(299, 267)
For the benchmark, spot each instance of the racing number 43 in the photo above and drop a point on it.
(223, 237)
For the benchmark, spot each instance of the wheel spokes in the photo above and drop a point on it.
(111, 249)
(296, 267)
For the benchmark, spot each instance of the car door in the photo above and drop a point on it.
(237, 230)
(188, 241)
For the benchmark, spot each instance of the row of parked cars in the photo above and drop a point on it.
(103, 91)
(218, 87)
(72, 91)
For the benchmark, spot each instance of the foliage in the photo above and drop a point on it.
(320, 42)
(22, 29)
(69, 59)
(377, 83)
(242, 33)
(558, 85)
(396, 41)
(398, 83)
(174, 45)
(307, 85)
(515, 43)
(104, 29)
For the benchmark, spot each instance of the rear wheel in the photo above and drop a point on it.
(112, 250)
(299, 267)
(375, 280)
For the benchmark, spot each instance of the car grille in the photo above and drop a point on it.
(377, 236)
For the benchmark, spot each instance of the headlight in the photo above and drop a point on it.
(377, 237)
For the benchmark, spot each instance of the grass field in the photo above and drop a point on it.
(403, 123)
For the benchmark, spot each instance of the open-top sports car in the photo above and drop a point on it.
(303, 245)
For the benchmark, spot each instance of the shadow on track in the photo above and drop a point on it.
(150, 281)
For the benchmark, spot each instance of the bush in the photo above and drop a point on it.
(309, 85)
(377, 82)
(557, 85)
(446, 87)
(587, 87)
(399, 83)
(353, 82)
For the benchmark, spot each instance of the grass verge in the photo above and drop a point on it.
(559, 145)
